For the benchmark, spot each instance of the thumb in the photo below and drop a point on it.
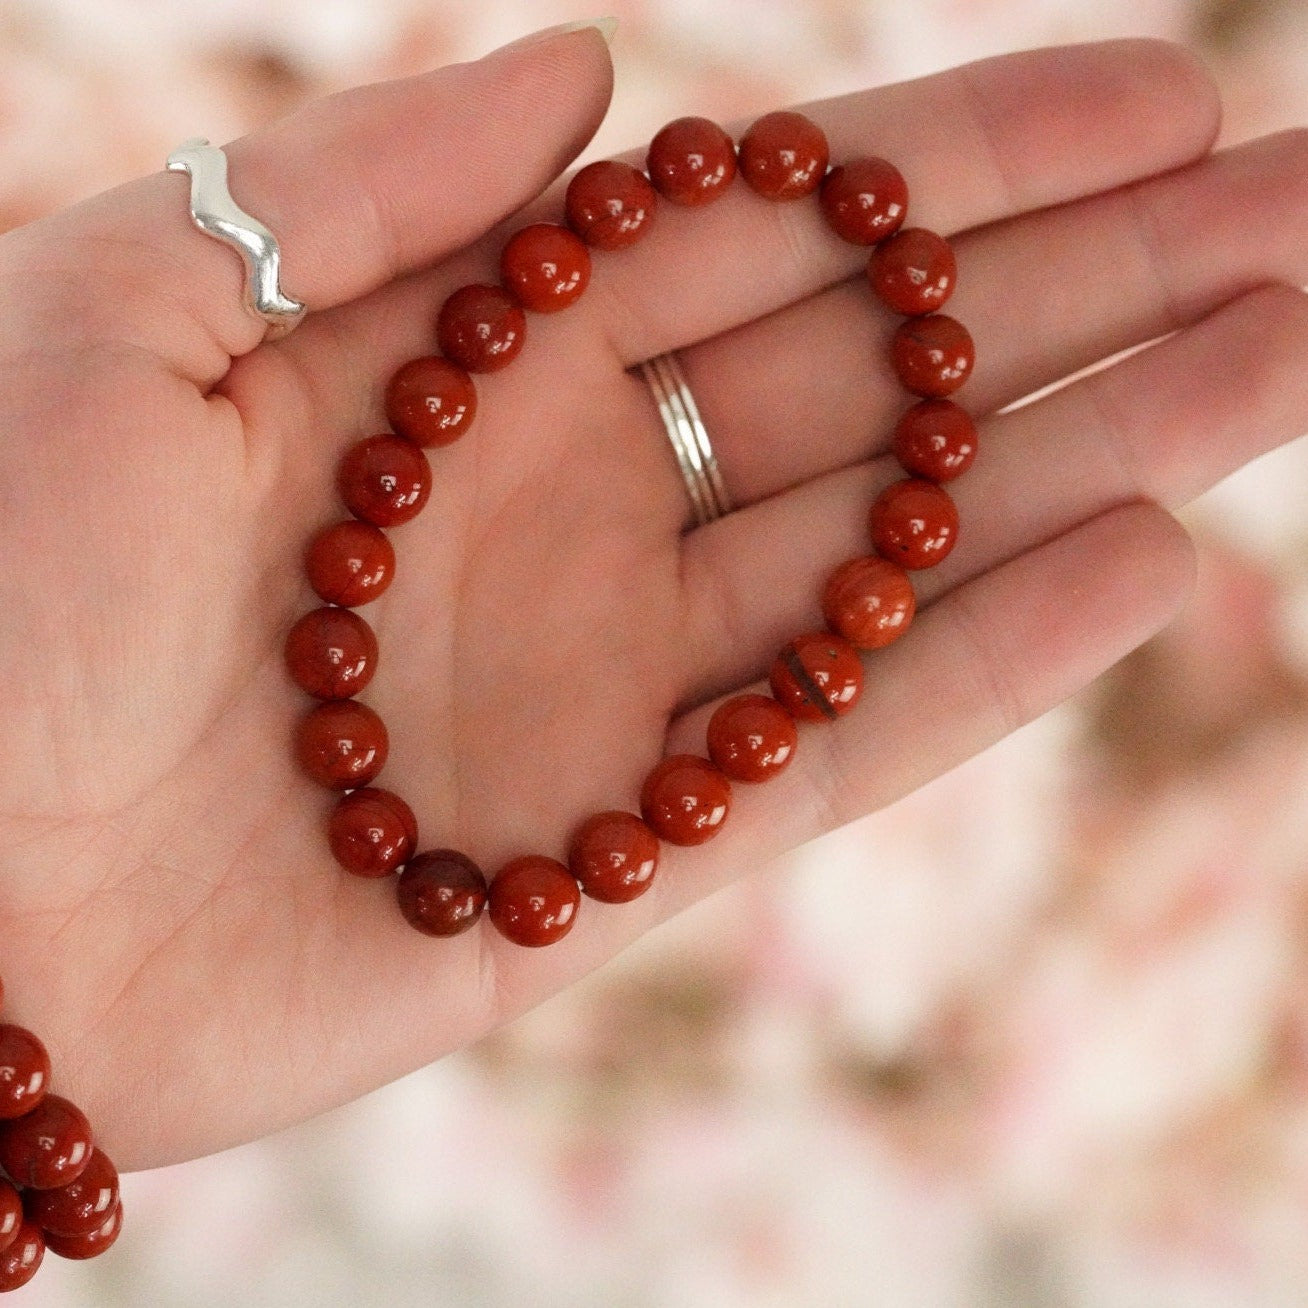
(359, 187)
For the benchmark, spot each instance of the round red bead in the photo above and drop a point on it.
(864, 200)
(614, 856)
(691, 161)
(869, 601)
(82, 1206)
(93, 1243)
(685, 799)
(481, 328)
(546, 267)
(350, 562)
(817, 676)
(22, 1259)
(49, 1146)
(341, 743)
(932, 356)
(751, 737)
(913, 272)
(610, 205)
(11, 1213)
(533, 900)
(331, 653)
(384, 480)
(913, 523)
(783, 156)
(441, 892)
(372, 831)
(935, 439)
(24, 1071)
(431, 401)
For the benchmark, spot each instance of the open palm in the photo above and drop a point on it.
(171, 920)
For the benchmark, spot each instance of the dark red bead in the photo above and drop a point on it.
(913, 272)
(935, 439)
(691, 161)
(372, 831)
(11, 1213)
(614, 856)
(533, 900)
(546, 267)
(817, 676)
(91, 1245)
(441, 892)
(384, 480)
(913, 523)
(751, 737)
(49, 1146)
(932, 356)
(869, 601)
(341, 744)
(481, 328)
(24, 1071)
(331, 653)
(350, 562)
(82, 1206)
(21, 1260)
(783, 156)
(431, 401)
(610, 205)
(864, 200)
(685, 799)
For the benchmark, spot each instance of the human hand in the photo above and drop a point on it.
(171, 921)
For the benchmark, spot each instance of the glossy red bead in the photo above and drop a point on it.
(350, 562)
(546, 267)
(685, 799)
(441, 892)
(751, 737)
(614, 856)
(92, 1244)
(691, 161)
(783, 156)
(864, 200)
(384, 480)
(913, 523)
(372, 831)
(610, 205)
(82, 1206)
(914, 271)
(11, 1213)
(22, 1259)
(341, 744)
(481, 328)
(935, 439)
(49, 1146)
(331, 653)
(431, 401)
(817, 676)
(869, 601)
(24, 1071)
(932, 356)
(533, 900)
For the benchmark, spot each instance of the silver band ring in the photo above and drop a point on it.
(690, 440)
(218, 215)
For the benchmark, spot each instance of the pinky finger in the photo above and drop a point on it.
(983, 660)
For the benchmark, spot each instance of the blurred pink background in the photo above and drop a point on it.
(1053, 1047)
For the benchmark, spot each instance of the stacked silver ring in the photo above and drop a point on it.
(690, 442)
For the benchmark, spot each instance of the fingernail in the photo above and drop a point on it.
(604, 26)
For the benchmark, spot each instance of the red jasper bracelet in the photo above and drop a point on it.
(57, 1190)
(384, 480)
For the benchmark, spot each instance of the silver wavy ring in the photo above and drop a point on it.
(690, 440)
(218, 215)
